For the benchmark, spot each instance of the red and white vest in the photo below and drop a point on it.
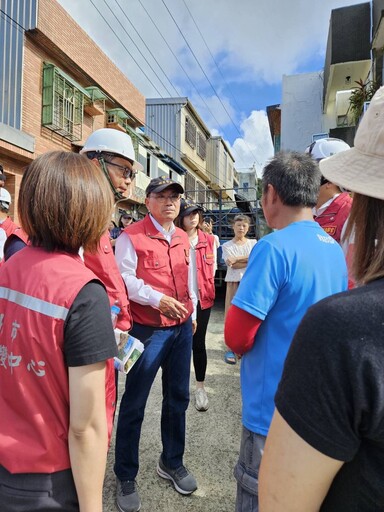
(333, 218)
(11, 228)
(103, 264)
(205, 263)
(163, 266)
(37, 289)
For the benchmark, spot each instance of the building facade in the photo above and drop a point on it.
(174, 124)
(317, 104)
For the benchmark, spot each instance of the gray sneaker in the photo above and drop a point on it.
(201, 399)
(182, 479)
(127, 497)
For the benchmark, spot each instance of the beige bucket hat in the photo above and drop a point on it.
(361, 168)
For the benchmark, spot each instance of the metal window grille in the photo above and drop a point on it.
(62, 105)
(201, 146)
(190, 132)
(200, 192)
(190, 186)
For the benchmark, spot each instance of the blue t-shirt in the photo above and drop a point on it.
(288, 271)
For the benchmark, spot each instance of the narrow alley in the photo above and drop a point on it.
(212, 444)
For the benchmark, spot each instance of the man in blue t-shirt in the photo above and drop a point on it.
(288, 271)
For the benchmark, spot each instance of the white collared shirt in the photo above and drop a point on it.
(138, 291)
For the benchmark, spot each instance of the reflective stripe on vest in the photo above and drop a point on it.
(34, 304)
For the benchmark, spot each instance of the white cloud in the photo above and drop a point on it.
(255, 146)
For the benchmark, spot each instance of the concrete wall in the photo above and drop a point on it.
(301, 110)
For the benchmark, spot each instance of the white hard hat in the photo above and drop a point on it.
(5, 197)
(109, 140)
(323, 148)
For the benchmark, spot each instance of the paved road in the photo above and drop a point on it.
(212, 445)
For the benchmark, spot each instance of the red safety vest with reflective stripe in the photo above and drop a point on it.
(162, 266)
(103, 264)
(205, 263)
(333, 218)
(37, 289)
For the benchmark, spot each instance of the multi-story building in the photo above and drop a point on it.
(175, 125)
(56, 87)
(317, 104)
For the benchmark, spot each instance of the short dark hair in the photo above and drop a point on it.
(64, 202)
(295, 177)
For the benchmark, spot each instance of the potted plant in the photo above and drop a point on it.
(363, 92)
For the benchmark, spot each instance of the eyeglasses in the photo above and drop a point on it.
(128, 172)
(164, 198)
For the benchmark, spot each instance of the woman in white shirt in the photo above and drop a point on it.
(235, 254)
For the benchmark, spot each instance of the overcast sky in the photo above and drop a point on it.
(227, 57)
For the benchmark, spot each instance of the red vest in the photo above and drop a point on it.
(103, 264)
(37, 289)
(162, 266)
(333, 218)
(11, 228)
(205, 263)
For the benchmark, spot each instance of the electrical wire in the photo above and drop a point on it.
(206, 76)
(126, 49)
(10, 20)
(138, 49)
(199, 166)
(181, 66)
(148, 49)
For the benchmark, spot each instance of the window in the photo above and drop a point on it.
(63, 103)
(201, 145)
(200, 193)
(190, 185)
(190, 132)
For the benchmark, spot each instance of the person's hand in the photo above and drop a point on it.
(172, 308)
(231, 261)
(194, 326)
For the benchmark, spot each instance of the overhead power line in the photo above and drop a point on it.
(202, 69)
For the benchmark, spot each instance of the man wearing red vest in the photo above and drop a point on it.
(333, 205)
(113, 151)
(332, 209)
(153, 257)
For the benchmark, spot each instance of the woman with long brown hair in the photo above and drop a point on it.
(57, 341)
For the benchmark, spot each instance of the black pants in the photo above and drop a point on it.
(198, 348)
(37, 492)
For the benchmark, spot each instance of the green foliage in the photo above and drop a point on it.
(363, 92)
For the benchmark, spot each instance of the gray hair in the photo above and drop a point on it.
(295, 177)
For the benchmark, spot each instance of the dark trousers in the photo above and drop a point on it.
(37, 492)
(168, 348)
(198, 348)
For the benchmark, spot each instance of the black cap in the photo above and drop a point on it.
(187, 207)
(161, 183)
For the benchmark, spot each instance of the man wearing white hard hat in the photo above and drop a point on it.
(113, 151)
(333, 205)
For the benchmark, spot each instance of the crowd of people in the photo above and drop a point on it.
(309, 350)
